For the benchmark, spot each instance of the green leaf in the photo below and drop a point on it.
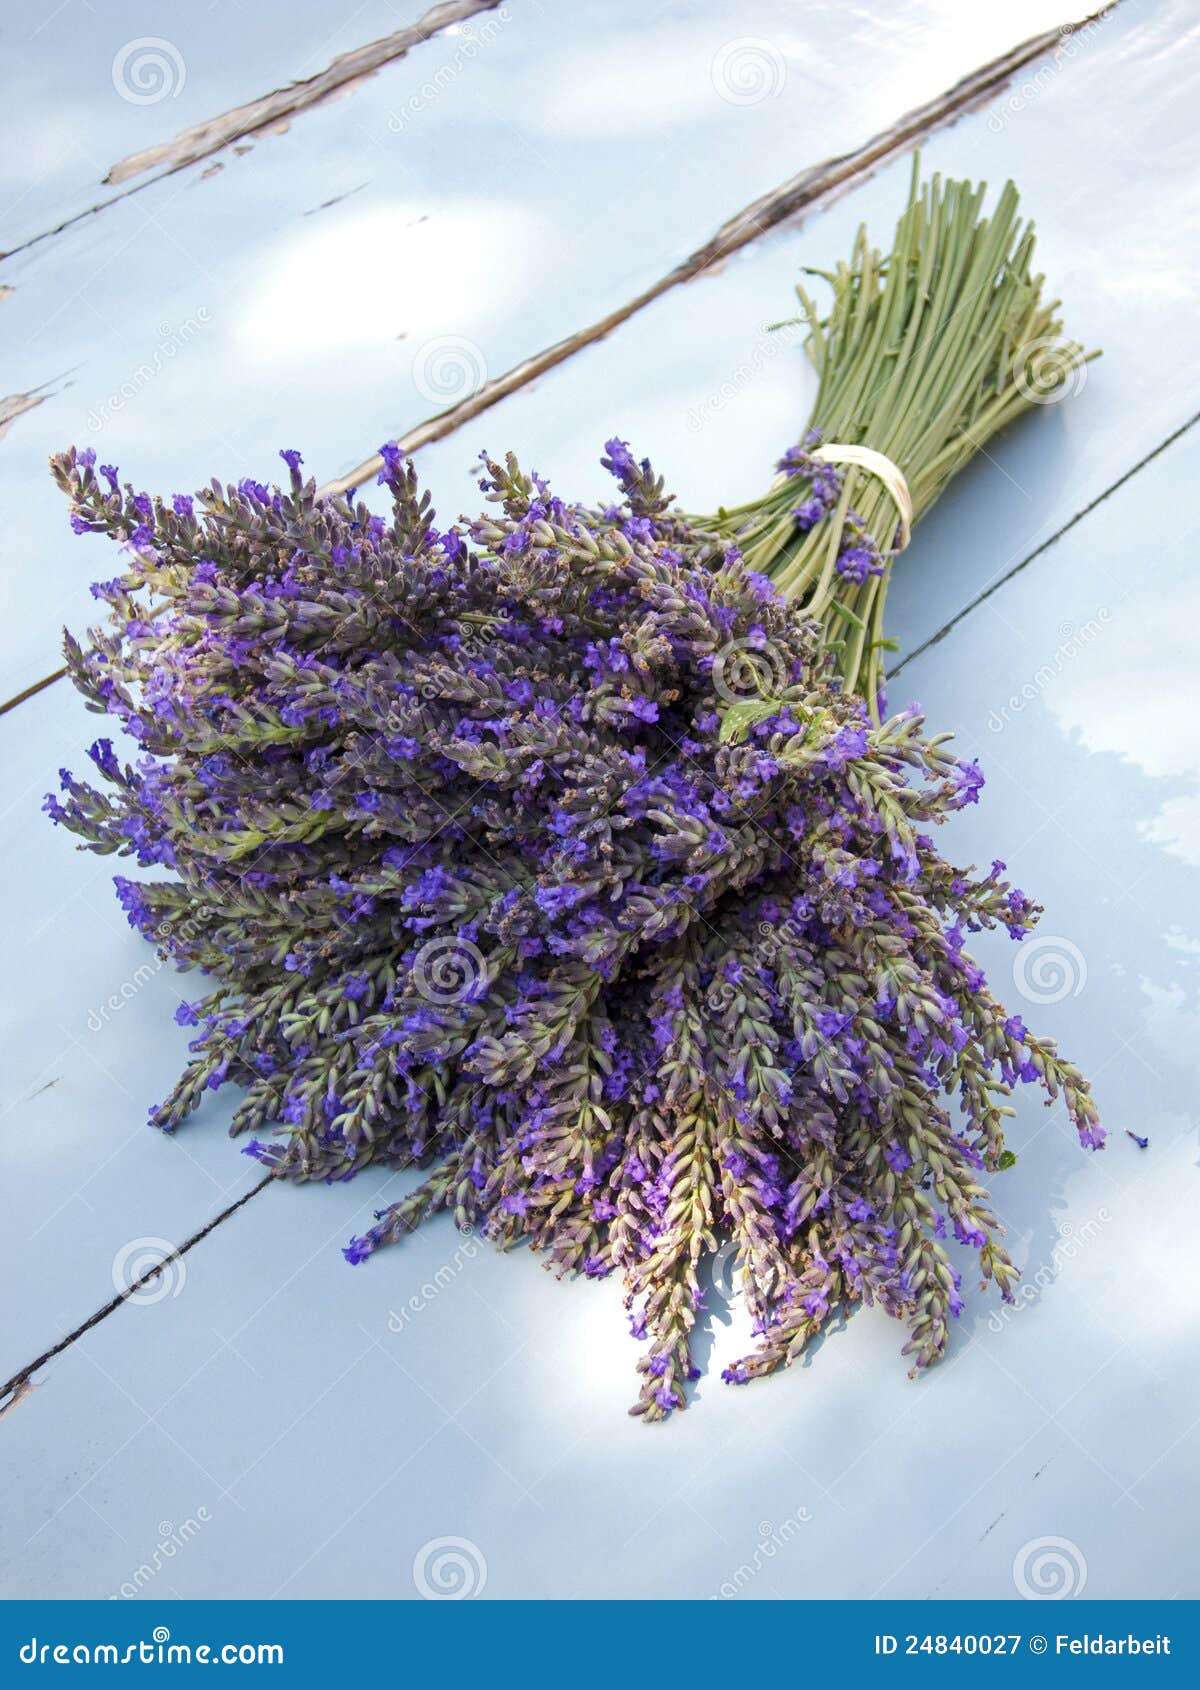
(840, 609)
(739, 718)
(1007, 1160)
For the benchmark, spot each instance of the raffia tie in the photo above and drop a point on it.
(882, 467)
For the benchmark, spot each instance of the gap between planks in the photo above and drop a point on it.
(1071, 522)
(801, 193)
(21, 1384)
(270, 113)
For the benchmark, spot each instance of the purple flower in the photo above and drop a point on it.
(393, 463)
(968, 783)
(492, 880)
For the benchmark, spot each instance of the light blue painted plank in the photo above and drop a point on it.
(199, 316)
(88, 85)
(510, 194)
(330, 1429)
(699, 385)
(88, 1041)
(270, 1355)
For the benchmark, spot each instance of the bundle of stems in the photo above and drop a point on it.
(551, 853)
(923, 357)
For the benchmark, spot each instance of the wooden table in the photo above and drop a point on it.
(289, 1427)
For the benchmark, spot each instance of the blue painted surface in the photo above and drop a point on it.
(329, 1423)
(499, 197)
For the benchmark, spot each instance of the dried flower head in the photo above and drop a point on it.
(547, 853)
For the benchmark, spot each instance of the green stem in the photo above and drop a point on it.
(922, 356)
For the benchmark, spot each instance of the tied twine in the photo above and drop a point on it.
(866, 457)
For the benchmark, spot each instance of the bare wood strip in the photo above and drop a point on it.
(790, 200)
(282, 104)
(800, 193)
(270, 112)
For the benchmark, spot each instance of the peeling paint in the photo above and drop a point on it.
(336, 200)
(22, 1389)
(31, 691)
(15, 406)
(271, 113)
(785, 204)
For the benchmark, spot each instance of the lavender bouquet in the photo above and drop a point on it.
(922, 358)
(555, 852)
